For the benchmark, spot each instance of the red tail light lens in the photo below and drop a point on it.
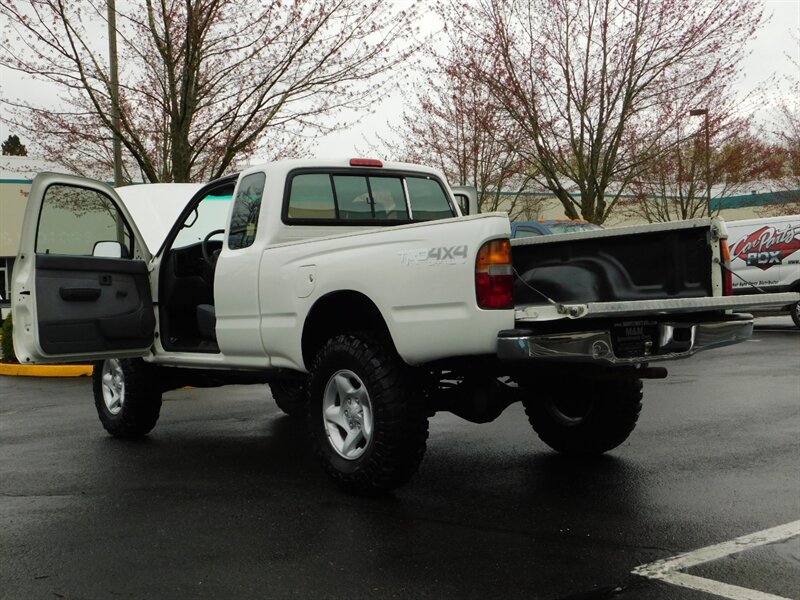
(727, 274)
(494, 277)
(365, 162)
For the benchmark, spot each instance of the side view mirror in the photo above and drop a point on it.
(467, 198)
(109, 250)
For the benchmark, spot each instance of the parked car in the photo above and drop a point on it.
(765, 257)
(521, 229)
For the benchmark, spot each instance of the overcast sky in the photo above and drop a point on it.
(768, 57)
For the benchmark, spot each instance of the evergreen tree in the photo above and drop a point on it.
(13, 147)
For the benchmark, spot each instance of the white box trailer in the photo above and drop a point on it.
(765, 256)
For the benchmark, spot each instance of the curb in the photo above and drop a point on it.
(15, 370)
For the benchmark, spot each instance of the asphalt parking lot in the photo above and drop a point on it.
(224, 500)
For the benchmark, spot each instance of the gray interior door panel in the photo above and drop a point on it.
(90, 304)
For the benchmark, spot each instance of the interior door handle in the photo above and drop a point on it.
(79, 294)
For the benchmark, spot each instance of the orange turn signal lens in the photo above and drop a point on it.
(494, 275)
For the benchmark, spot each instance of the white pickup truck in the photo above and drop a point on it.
(362, 296)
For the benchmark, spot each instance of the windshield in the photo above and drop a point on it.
(210, 214)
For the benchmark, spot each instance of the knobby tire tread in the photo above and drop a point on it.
(142, 405)
(401, 423)
(615, 410)
(794, 311)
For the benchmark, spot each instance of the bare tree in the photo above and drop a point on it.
(674, 184)
(202, 82)
(585, 80)
(786, 129)
(451, 123)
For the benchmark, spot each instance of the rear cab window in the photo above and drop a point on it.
(355, 197)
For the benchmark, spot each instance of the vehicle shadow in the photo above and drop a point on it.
(232, 457)
(253, 491)
(544, 478)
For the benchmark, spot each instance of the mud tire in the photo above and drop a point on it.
(794, 311)
(591, 417)
(126, 396)
(363, 372)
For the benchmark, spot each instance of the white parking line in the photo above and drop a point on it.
(668, 569)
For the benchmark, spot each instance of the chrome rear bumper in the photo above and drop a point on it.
(671, 341)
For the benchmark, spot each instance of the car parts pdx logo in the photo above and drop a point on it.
(767, 246)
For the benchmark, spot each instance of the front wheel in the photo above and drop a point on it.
(585, 417)
(366, 415)
(795, 312)
(127, 399)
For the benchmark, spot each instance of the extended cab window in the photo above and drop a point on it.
(246, 207)
(345, 197)
(81, 222)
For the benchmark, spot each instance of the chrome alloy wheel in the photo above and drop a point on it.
(113, 385)
(347, 411)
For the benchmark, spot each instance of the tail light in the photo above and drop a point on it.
(494, 275)
(727, 274)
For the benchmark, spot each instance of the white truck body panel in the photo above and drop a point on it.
(612, 232)
(656, 307)
(428, 304)
(263, 293)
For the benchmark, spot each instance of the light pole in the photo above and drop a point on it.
(696, 112)
(114, 77)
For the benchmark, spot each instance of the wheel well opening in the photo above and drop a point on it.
(340, 312)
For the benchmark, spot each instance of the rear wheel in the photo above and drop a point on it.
(795, 312)
(590, 417)
(126, 396)
(290, 397)
(366, 415)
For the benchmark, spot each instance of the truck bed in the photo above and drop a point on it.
(627, 264)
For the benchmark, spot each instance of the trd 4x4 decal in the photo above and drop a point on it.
(443, 255)
(767, 247)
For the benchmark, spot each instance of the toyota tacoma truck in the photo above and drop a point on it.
(358, 291)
